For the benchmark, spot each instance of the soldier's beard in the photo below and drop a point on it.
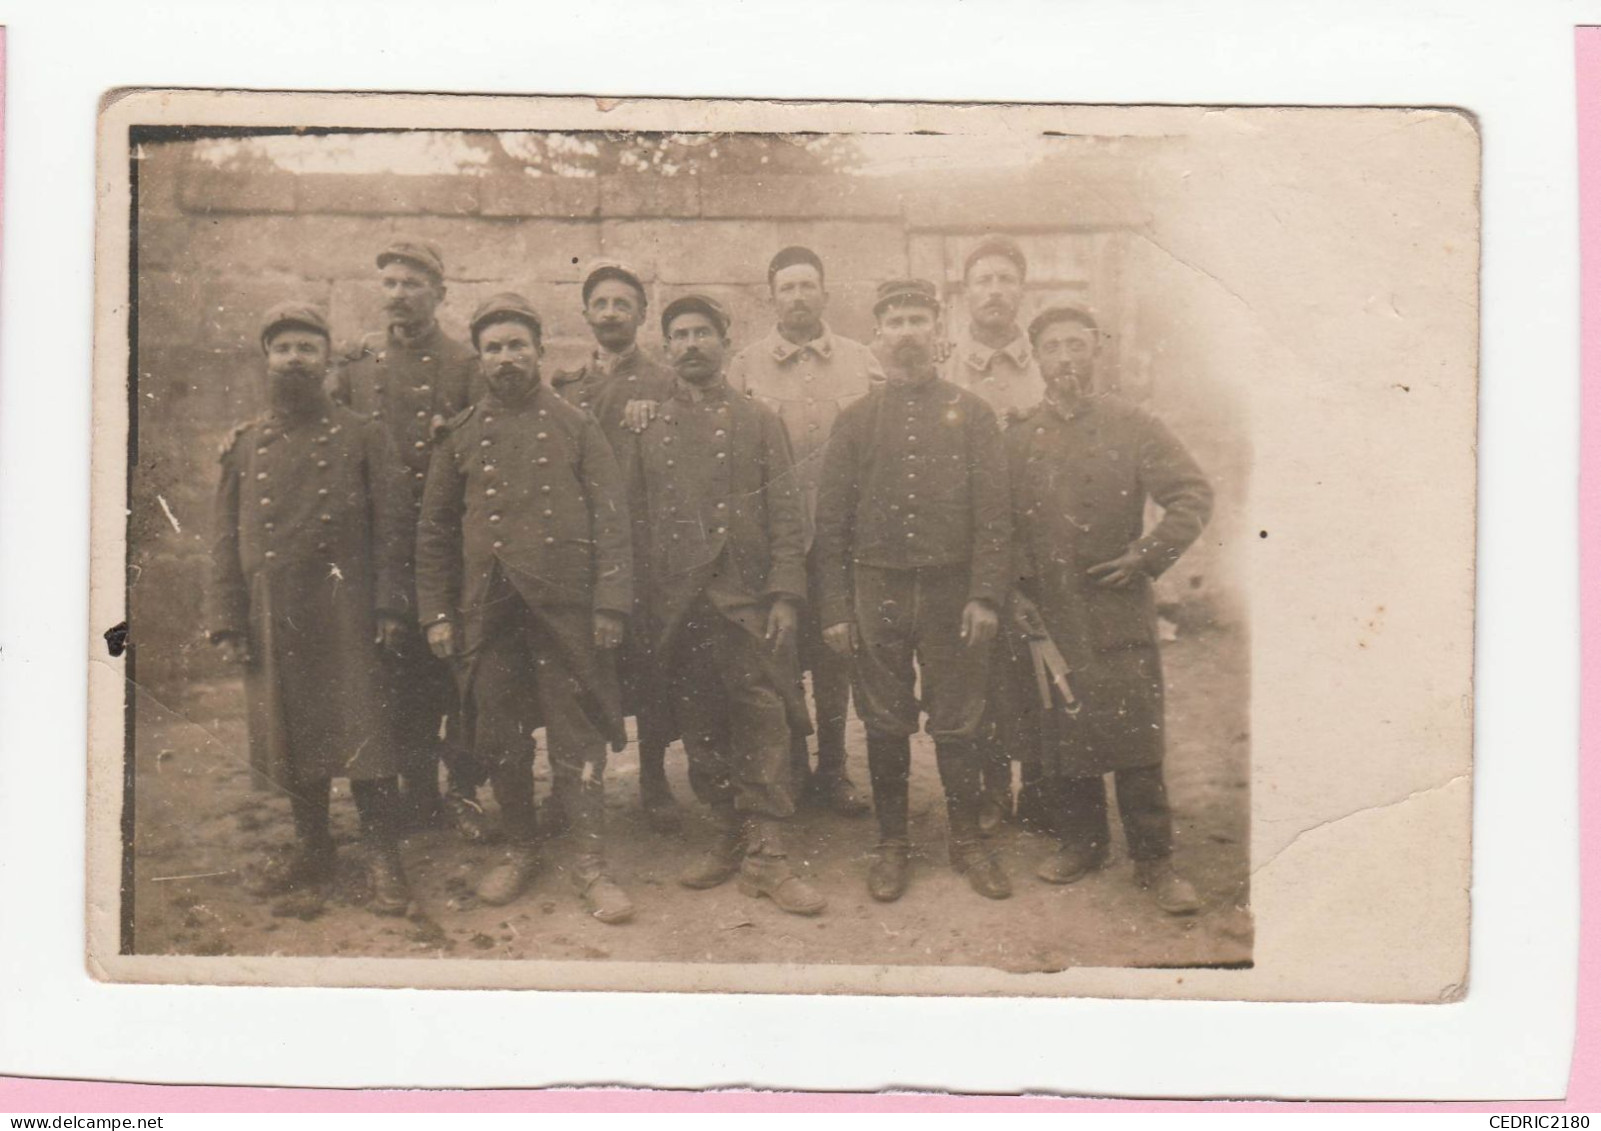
(1065, 385)
(510, 383)
(910, 362)
(294, 390)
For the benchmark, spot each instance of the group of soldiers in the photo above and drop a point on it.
(425, 551)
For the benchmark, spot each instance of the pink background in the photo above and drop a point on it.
(1584, 1093)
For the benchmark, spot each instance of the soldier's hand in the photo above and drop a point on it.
(391, 633)
(842, 638)
(1120, 572)
(235, 649)
(781, 621)
(608, 629)
(442, 639)
(637, 415)
(1026, 617)
(978, 623)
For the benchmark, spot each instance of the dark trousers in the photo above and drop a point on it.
(831, 682)
(376, 802)
(910, 627)
(730, 714)
(1141, 802)
(425, 714)
(521, 678)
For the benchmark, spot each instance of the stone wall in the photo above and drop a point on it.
(216, 247)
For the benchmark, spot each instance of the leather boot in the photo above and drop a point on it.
(1071, 863)
(832, 789)
(721, 859)
(971, 854)
(602, 897)
(890, 871)
(467, 817)
(656, 797)
(506, 880)
(307, 864)
(391, 894)
(1172, 892)
(766, 871)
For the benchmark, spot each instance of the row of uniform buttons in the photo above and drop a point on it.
(263, 449)
(492, 492)
(911, 457)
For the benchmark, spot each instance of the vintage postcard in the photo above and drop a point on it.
(651, 544)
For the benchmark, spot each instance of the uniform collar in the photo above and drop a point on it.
(977, 356)
(921, 388)
(783, 350)
(424, 341)
(1067, 409)
(608, 364)
(492, 400)
(717, 390)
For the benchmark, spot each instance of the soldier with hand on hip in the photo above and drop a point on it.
(1083, 465)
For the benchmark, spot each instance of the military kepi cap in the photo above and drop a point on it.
(906, 292)
(292, 315)
(506, 306)
(702, 304)
(419, 253)
(605, 269)
(997, 245)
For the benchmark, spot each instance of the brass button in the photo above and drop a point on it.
(544, 489)
(270, 554)
(265, 501)
(261, 451)
(326, 517)
(542, 461)
(550, 541)
(670, 463)
(497, 545)
(722, 506)
(490, 491)
(322, 463)
(420, 445)
(484, 443)
(422, 414)
(488, 419)
(722, 530)
(494, 518)
(322, 492)
(720, 432)
(722, 455)
(261, 475)
(542, 436)
(911, 439)
(268, 527)
(419, 475)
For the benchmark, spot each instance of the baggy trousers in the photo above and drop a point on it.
(522, 676)
(910, 627)
(730, 714)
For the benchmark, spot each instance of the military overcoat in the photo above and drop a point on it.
(310, 541)
(531, 492)
(1081, 476)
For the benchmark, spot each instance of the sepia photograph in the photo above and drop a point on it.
(801, 549)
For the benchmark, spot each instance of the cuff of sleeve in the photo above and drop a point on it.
(1156, 556)
(835, 610)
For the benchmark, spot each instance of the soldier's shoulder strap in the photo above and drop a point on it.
(367, 345)
(231, 440)
(460, 418)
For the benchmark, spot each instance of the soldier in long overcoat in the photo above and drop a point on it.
(525, 578)
(720, 520)
(620, 373)
(1083, 465)
(912, 530)
(413, 377)
(308, 576)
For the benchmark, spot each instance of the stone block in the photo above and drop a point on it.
(979, 203)
(387, 193)
(851, 250)
(514, 194)
(634, 194)
(232, 306)
(686, 253)
(795, 196)
(205, 189)
(513, 251)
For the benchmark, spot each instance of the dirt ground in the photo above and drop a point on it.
(198, 824)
